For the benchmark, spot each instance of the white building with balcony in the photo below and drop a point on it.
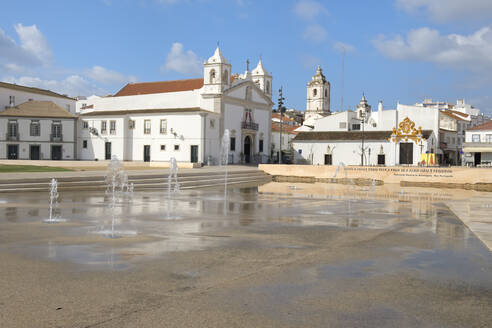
(185, 119)
(38, 130)
(478, 145)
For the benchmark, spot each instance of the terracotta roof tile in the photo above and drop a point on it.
(285, 118)
(37, 109)
(484, 126)
(458, 113)
(145, 88)
(285, 128)
(456, 117)
(140, 111)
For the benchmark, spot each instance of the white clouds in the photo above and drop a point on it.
(72, 85)
(108, 77)
(315, 33)
(340, 46)
(448, 10)
(30, 62)
(310, 62)
(453, 50)
(34, 42)
(182, 62)
(33, 49)
(309, 9)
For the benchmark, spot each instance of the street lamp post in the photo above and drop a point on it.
(281, 109)
(362, 120)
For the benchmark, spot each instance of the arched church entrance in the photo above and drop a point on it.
(247, 149)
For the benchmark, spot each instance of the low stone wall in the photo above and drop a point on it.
(449, 177)
(98, 165)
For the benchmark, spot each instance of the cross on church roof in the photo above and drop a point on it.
(247, 65)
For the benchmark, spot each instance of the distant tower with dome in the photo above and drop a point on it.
(318, 96)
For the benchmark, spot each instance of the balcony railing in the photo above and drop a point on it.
(12, 137)
(250, 125)
(56, 137)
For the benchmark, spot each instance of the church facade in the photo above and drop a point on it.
(184, 119)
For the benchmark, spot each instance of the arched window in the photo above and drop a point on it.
(326, 92)
(315, 92)
(225, 77)
(212, 76)
(267, 88)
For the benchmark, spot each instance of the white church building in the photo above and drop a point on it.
(383, 137)
(185, 119)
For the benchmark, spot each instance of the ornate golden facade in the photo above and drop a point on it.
(406, 131)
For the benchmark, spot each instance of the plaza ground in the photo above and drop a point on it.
(280, 255)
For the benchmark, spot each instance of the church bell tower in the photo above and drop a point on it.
(318, 95)
(216, 73)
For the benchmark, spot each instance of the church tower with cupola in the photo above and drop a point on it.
(318, 95)
(216, 74)
(364, 109)
(263, 79)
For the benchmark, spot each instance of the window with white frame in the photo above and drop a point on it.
(85, 125)
(163, 127)
(104, 127)
(475, 138)
(56, 129)
(163, 147)
(131, 124)
(146, 126)
(112, 127)
(356, 126)
(84, 144)
(11, 101)
(488, 138)
(176, 147)
(12, 128)
(35, 128)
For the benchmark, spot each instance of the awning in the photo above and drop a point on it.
(477, 150)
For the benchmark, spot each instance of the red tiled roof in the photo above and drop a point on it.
(458, 113)
(484, 126)
(285, 128)
(453, 115)
(145, 88)
(284, 117)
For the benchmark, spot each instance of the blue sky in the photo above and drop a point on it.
(396, 50)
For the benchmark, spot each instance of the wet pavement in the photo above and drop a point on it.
(277, 255)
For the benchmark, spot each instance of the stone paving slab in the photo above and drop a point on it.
(476, 214)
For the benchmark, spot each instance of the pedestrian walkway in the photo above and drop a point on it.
(476, 213)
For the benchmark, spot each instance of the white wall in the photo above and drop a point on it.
(128, 144)
(481, 133)
(348, 152)
(23, 96)
(68, 140)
